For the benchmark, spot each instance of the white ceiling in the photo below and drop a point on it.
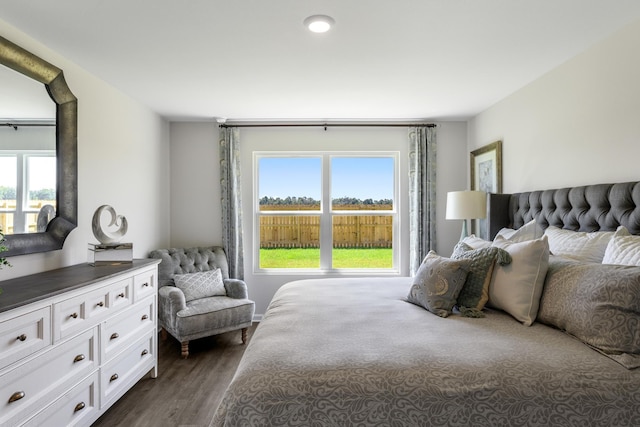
(254, 60)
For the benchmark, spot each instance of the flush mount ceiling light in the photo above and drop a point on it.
(319, 23)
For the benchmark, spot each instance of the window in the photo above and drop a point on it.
(326, 211)
(27, 184)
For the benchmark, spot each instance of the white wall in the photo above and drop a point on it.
(123, 161)
(579, 124)
(195, 205)
(195, 185)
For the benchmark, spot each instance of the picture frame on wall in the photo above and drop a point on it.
(486, 175)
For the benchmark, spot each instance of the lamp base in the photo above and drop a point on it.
(464, 233)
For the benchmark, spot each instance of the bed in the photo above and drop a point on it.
(356, 352)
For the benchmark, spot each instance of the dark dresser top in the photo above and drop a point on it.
(35, 287)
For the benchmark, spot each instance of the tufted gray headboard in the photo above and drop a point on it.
(601, 207)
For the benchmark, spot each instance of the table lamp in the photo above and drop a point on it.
(466, 205)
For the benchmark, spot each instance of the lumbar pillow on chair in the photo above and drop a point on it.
(200, 285)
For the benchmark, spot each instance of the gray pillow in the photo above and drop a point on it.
(438, 282)
(475, 292)
(200, 285)
(597, 303)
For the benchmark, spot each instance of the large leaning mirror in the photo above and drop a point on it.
(53, 221)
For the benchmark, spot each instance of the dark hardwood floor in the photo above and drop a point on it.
(187, 391)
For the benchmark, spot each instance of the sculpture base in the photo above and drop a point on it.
(109, 253)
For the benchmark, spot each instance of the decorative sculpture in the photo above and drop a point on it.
(119, 221)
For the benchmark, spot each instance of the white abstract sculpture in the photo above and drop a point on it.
(119, 221)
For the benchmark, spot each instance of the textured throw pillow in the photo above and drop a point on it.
(437, 283)
(476, 242)
(529, 231)
(623, 249)
(200, 285)
(516, 288)
(475, 291)
(578, 245)
(597, 303)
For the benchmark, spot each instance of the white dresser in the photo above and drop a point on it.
(74, 340)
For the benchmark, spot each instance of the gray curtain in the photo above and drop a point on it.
(231, 200)
(422, 194)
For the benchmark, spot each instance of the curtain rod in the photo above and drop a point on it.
(15, 126)
(326, 125)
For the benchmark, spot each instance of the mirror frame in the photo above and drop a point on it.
(66, 219)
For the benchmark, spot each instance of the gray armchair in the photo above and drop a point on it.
(203, 317)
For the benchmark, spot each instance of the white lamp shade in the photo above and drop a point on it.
(466, 205)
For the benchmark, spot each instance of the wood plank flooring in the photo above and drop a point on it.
(187, 391)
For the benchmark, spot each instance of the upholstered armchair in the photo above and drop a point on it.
(204, 302)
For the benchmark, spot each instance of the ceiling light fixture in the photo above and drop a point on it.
(319, 23)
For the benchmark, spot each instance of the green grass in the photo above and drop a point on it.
(342, 258)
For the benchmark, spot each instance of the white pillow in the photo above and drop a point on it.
(578, 245)
(200, 285)
(476, 242)
(529, 231)
(517, 287)
(623, 249)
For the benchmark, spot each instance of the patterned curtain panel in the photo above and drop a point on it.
(422, 194)
(231, 200)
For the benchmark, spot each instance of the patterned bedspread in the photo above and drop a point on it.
(353, 352)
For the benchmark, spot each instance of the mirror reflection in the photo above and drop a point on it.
(27, 154)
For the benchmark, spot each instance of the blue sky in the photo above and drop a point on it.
(359, 177)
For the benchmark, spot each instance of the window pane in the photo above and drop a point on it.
(289, 183)
(362, 241)
(8, 176)
(289, 241)
(41, 181)
(362, 183)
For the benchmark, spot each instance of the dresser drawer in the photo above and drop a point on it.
(121, 373)
(37, 382)
(23, 335)
(144, 284)
(79, 406)
(86, 310)
(126, 327)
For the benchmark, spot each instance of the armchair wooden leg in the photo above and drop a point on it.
(185, 349)
(244, 335)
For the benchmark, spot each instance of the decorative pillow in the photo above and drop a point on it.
(623, 249)
(200, 285)
(529, 231)
(476, 242)
(437, 283)
(516, 288)
(597, 303)
(475, 292)
(578, 245)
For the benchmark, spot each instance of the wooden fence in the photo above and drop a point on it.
(349, 231)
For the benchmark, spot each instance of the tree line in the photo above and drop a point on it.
(310, 201)
(9, 193)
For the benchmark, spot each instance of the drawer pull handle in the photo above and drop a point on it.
(145, 317)
(144, 352)
(74, 315)
(114, 335)
(16, 396)
(145, 285)
(121, 295)
(113, 377)
(100, 304)
(79, 407)
(22, 337)
(78, 358)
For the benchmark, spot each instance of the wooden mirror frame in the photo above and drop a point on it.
(66, 219)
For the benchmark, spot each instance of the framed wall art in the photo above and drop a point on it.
(486, 175)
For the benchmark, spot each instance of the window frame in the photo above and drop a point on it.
(326, 213)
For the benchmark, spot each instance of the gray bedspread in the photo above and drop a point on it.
(353, 352)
